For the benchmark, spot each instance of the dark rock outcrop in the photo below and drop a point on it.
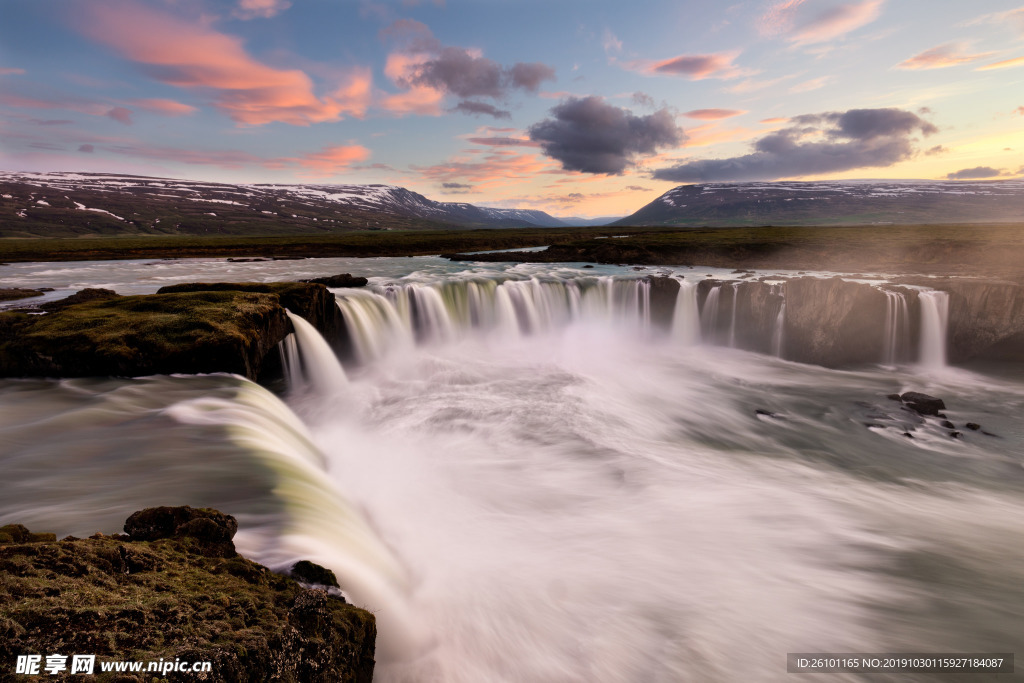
(162, 599)
(308, 572)
(189, 328)
(212, 529)
(923, 404)
(343, 280)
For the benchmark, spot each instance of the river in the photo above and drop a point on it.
(527, 481)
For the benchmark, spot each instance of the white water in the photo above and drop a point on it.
(318, 366)
(778, 329)
(709, 315)
(934, 324)
(732, 320)
(897, 327)
(526, 486)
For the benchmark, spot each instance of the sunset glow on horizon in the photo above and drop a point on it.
(578, 108)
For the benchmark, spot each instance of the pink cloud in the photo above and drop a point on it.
(940, 57)
(694, 67)
(196, 57)
(836, 21)
(420, 99)
(330, 160)
(1005, 64)
(326, 162)
(713, 114)
(7, 71)
(167, 107)
(121, 115)
(1019, 110)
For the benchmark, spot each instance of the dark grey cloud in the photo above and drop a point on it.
(592, 136)
(529, 76)
(937, 149)
(460, 73)
(88, 149)
(456, 186)
(975, 173)
(816, 144)
(477, 108)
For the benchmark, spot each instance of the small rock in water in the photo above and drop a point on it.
(588, 266)
(343, 280)
(973, 426)
(309, 572)
(908, 435)
(955, 434)
(923, 404)
(894, 397)
(948, 425)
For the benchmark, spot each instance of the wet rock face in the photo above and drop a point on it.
(985, 319)
(308, 572)
(664, 291)
(121, 597)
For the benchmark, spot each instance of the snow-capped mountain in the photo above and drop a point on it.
(835, 203)
(87, 203)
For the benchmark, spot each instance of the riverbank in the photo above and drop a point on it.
(170, 591)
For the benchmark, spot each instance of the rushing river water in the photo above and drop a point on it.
(528, 482)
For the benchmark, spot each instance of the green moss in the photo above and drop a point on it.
(83, 596)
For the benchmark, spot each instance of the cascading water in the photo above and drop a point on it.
(524, 488)
(709, 315)
(732, 321)
(318, 366)
(897, 327)
(686, 317)
(934, 328)
(399, 315)
(778, 328)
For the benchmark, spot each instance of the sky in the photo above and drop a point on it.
(575, 107)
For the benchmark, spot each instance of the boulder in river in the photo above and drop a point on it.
(923, 404)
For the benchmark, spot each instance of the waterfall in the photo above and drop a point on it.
(897, 327)
(709, 316)
(934, 328)
(780, 319)
(399, 315)
(686, 319)
(318, 367)
(732, 321)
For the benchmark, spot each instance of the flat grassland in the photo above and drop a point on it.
(995, 250)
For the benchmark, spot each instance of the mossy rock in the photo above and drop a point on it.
(123, 599)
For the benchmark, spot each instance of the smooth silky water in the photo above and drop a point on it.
(527, 481)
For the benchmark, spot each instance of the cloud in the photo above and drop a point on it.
(713, 114)
(831, 23)
(506, 167)
(456, 186)
(693, 67)
(779, 18)
(637, 188)
(263, 9)
(425, 66)
(11, 72)
(815, 144)
(642, 99)
(1005, 64)
(329, 161)
(1019, 110)
(974, 173)
(477, 108)
(50, 122)
(1013, 17)
(937, 149)
(502, 142)
(326, 162)
(611, 44)
(87, 149)
(774, 120)
(121, 115)
(193, 56)
(940, 57)
(591, 136)
(813, 84)
(166, 107)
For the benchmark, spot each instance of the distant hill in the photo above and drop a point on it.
(577, 221)
(835, 203)
(73, 204)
